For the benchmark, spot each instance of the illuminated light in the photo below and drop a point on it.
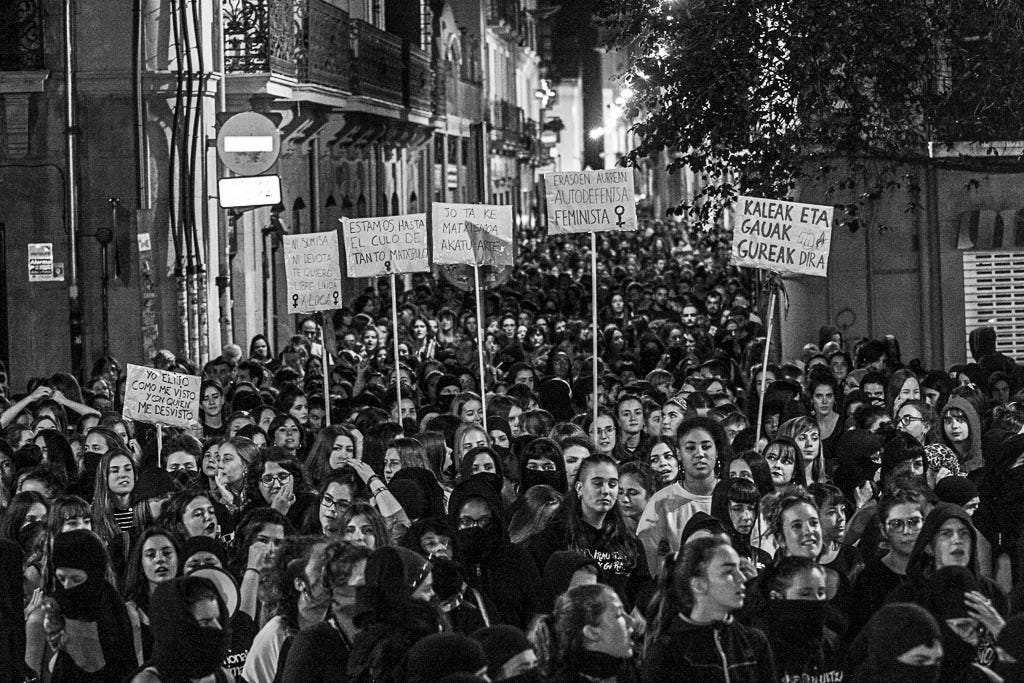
(596, 133)
(626, 93)
(663, 52)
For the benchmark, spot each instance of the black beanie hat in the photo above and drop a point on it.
(80, 549)
(956, 490)
(441, 654)
(501, 643)
(198, 544)
(894, 629)
(410, 496)
(945, 590)
(153, 482)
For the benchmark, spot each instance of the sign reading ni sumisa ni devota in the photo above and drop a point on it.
(785, 237)
(161, 397)
(313, 270)
(473, 234)
(385, 245)
(590, 201)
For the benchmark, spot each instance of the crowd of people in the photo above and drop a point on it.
(313, 527)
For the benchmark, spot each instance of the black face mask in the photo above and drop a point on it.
(554, 479)
(474, 545)
(803, 621)
(81, 602)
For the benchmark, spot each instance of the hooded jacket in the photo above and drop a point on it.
(893, 630)
(503, 572)
(973, 459)
(1000, 515)
(982, 341)
(688, 651)
(921, 565)
(182, 649)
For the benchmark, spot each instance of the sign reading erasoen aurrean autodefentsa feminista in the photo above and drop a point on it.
(785, 237)
(590, 201)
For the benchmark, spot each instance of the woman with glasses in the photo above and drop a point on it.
(900, 519)
(275, 479)
(337, 493)
(501, 571)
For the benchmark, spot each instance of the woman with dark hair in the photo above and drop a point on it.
(190, 513)
(750, 465)
(735, 503)
(591, 522)
(662, 458)
(594, 635)
(156, 558)
(532, 511)
(481, 459)
(903, 386)
(57, 450)
(260, 350)
(333, 448)
(111, 509)
(211, 408)
(321, 652)
(785, 463)
(293, 401)
(286, 433)
(401, 453)
(376, 440)
(542, 463)
(693, 635)
(823, 396)
(296, 601)
(275, 479)
(362, 525)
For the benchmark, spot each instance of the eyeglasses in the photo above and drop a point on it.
(908, 524)
(269, 479)
(907, 419)
(469, 522)
(332, 504)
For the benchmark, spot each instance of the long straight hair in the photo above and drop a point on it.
(614, 521)
(103, 500)
(793, 428)
(674, 595)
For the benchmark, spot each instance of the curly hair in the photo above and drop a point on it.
(257, 467)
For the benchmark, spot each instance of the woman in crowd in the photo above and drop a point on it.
(156, 559)
(693, 635)
(664, 461)
(804, 431)
(275, 479)
(594, 635)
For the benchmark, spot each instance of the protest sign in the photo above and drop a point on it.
(161, 397)
(476, 234)
(385, 245)
(590, 201)
(313, 271)
(785, 237)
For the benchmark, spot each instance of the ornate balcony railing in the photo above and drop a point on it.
(418, 79)
(378, 70)
(260, 36)
(325, 56)
(21, 35)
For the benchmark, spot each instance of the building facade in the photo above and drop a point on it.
(382, 107)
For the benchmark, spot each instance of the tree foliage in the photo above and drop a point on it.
(756, 96)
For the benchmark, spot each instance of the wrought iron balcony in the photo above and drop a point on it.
(21, 35)
(378, 70)
(418, 79)
(260, 36)
(325, 56)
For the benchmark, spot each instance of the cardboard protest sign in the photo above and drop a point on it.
(786, 237)
(479, 234)
(313, 271)
(385, 245)
(590, 201)
(161, 397)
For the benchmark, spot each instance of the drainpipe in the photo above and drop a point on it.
(71, 166)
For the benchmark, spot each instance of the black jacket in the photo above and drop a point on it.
(688, 651)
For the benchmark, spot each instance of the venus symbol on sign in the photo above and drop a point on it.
(295, 300)
(619, 210)
(335, 295)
